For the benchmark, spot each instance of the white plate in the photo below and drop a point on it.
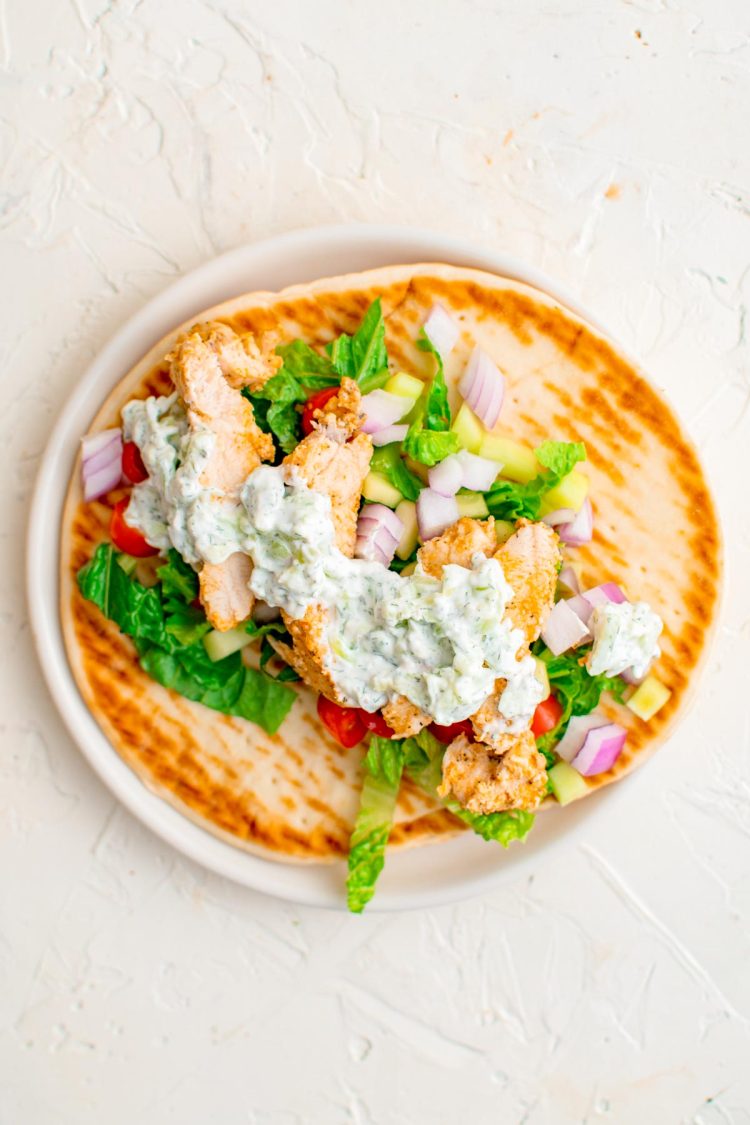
(424, 876)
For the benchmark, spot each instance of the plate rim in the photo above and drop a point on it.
(282, 879)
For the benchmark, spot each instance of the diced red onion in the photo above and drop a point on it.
(101, 470)
(560, 515)
(381, 516)
(382, 409)
(563, 629)
(483, 387)
(442, 330)
(575, 734)
(581, 529)
(607, 592)
(390, 434)
(379, 531)
(447, 476)
(479, 472)
(93, 443)
(581, 608)
(435, 513)
(263, 612)
(601, 749)
(568, 577)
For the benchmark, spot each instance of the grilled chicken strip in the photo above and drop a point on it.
(332, 461)
(199, 366)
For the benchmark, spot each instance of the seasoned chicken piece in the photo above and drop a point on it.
(345, 407)
(530, 560)
(458, 544)
(198, 368)
(337, 467)
(244, 362)
(485, 782)
(404, 719)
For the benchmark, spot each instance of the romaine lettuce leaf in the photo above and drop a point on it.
(576, 689)
(429, 438)
(167, 632)
(363, 356)
(382, 767)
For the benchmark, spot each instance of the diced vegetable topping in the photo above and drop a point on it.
(382, 409)
(472, 504)
(218, 645)
(435, 513)
(483, 387)
(468, 429)
(566, 783)
(563, 629)
(407, 544)
(569, 493)
(517, 461)
(379, 490)
(580, 530)
(101, 468)
(441, 330)
(601, 749)
(408, 386)
(379, 532)
(649, 698)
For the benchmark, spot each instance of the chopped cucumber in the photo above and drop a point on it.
(408, 570)
(379, 490)
(503, 530)
(127, 563)
(518, 461)
(472, 504)
(407, 513)
(540, 671)
(408, 386)
(648, 698)
(569, 493)
(567, 783)
(218, 645)
(468, 429)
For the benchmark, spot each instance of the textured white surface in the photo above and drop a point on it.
(605, 142)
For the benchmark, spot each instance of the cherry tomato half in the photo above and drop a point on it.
(546, 716)
(125, 537)
(132, 464)
(447, 734)
(375, 722)
(315, 402)
(345, 723)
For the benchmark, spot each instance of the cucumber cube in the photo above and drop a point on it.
(468, 429)
(648, 698)
(503, 530)
(408, 386)
(569, 493)
(218, 645)
(567, 783)
(407, 513)
(472, 504)
(540, 671)
(379, 490)
(517, 461)
(408, 570)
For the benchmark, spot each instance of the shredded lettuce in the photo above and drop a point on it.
(510, 500)
(382, 766)
(167, 632)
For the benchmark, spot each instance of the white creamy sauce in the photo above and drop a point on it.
(625, 636)
(441, 643)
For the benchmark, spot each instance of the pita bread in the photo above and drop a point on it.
(294, 795)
